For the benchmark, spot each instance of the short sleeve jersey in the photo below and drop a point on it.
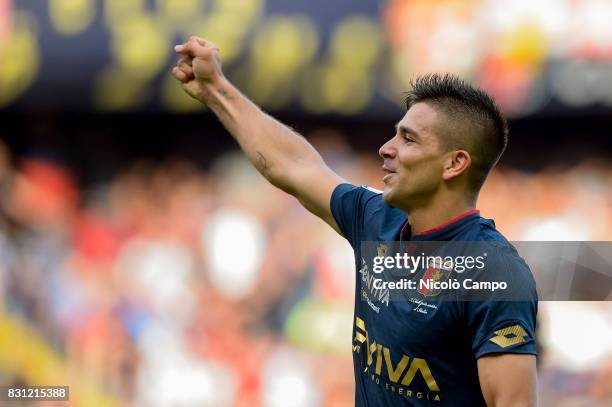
(424, 352)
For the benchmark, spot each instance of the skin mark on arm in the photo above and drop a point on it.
(225, 93)
(262, 163)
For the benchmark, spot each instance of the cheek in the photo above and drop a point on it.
(414, 163)
(420, 170)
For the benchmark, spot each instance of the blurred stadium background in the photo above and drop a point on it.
(143, 262)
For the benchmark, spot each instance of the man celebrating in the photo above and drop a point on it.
(420, 352)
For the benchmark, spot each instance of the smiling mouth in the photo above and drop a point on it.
(388, 174)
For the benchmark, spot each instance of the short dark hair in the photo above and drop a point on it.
(474, 121)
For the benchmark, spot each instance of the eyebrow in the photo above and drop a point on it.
(407, 130)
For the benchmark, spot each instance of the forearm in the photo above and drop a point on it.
(286, 159)
(274, 149)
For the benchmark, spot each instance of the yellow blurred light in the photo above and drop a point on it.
(280, 50)
(346, 91)
(141, 45)
(71, 17)
(180, 10)
(117, 10)
(117, 89)
(400, 74)
(243, 12)
(226, 26)
(20, 56)
(218, 28)
(356, 41)
(343, 83)
(271, 93)
(527, 44)
(284, 43)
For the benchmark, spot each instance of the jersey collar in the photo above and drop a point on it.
(440, 231)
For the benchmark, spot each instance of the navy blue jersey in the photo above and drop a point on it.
(423, 351)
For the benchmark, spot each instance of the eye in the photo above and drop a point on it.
(407, 139)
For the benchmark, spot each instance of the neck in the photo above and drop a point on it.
(431, 216)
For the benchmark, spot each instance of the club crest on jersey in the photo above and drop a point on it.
(382, 250)
(435, 273)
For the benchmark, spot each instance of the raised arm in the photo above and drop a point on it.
(281, 155)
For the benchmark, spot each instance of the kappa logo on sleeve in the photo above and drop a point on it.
(512, 335)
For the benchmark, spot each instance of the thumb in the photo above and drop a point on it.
(194, 46)
(183, 49)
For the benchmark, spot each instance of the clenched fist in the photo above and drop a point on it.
(199, 66)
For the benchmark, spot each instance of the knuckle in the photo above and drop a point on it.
(206, 54)
(198, 41)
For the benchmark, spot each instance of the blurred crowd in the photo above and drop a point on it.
(169, 285)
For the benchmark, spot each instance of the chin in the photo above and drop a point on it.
(395, 198)
(387, 195)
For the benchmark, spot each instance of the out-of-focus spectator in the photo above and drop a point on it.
(172, 285)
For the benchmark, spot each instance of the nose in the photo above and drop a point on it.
(387, 150)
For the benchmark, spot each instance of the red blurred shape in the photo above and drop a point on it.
(44, 195)
(5, 19)
(507, 80)
(95, 238)
(53, 181)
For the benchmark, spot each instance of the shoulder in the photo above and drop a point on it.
(503, 259)
(350, 206)
(356, 196)
(365, 190)
(362, 213)
(487, 231)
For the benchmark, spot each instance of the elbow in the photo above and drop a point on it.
(278, 178)
(265, 168)
(271, 171)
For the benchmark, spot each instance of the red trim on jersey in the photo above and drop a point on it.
(403, 232)
(450, 222)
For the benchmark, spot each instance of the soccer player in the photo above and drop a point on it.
(423, 352)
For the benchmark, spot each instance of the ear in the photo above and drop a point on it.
(456, 163)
